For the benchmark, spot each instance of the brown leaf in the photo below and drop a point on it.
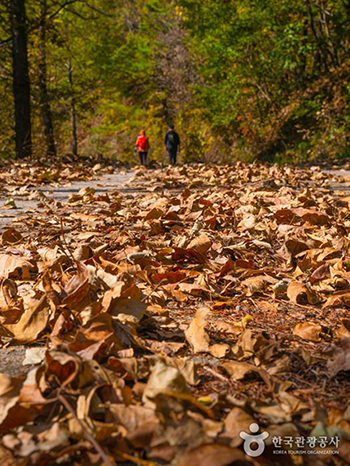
(164, 378)
(196, 334)
(77, 287)
(344, 331)
(131, 417)
(67, 370)
(33, 321)
(239, 370)
(11, 236)
(15, 266)
(219, 350)
(308, 331)
(320, 273)
(168, 276)
(339, 357)
(313, 216)
(10, 307)
(254, 284)
(302, 294)
(200, 244)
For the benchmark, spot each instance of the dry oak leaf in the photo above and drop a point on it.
(219, 350)
(249, 343)
(11, 236)
(308, 331)
(168, 276)
(344, 331)
(33, 321)
(338, 298)
(238, 371)
(77, 288)
(302, 294)
(10, 307)
(200, 244)
(213, 455)
(164, 379)
(313, 216)
(67, 369)
(131, 417)
(52, 256)
(196, 334)
(254, 284)
(339, 357)
(12, 265)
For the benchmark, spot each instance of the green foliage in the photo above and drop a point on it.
(241, 80)
(266, 69)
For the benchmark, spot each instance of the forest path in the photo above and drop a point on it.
(12, 358)
(344, 186)
(103, 184)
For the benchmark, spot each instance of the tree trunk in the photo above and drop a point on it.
(21, 82)
(73, 111)
(45, 109)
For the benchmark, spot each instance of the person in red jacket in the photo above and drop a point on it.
(142, 146)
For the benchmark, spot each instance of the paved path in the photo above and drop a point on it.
(105, 183)
(340, 172)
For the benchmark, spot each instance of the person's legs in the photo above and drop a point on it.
(143, 156)
(172, 157)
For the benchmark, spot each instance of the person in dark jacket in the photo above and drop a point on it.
(172, 144)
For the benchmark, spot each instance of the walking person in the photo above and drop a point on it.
(142, 146)
(172, 144)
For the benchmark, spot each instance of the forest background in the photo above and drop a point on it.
(257, 79)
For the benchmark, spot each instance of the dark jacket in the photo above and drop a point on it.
(172, 140)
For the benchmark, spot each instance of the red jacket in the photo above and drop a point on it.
(142, 143)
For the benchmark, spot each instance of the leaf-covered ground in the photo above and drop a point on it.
(163, 320)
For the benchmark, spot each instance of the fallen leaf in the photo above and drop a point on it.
(308, 331)
(301, 293)
(32, 323)
(196, 334)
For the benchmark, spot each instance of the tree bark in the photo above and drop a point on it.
(73, 110)
(21, 81)
(45, 108)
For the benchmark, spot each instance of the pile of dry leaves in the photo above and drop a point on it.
(162, 321)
